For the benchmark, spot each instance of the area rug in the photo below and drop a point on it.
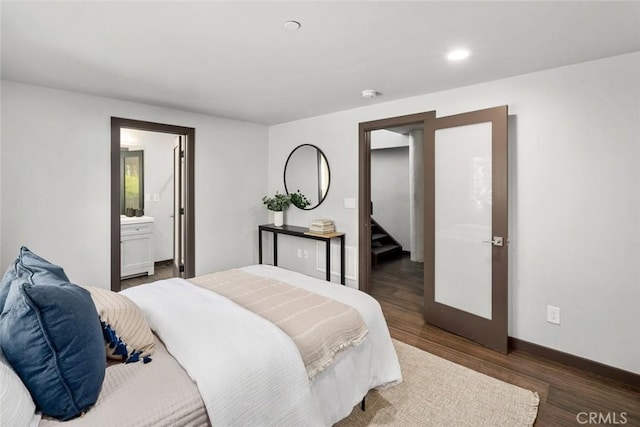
(436, 392)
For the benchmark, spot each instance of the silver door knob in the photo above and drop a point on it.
(497, 241)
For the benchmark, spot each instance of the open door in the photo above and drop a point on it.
(178, 207)
(466, 225)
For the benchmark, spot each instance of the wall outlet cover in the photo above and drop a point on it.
(553, 314)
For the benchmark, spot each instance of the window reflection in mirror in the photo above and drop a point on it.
(131, 181)
(307, 171)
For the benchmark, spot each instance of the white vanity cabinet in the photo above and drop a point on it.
(136, 246)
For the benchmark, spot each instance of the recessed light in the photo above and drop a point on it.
(292, 25)
(369, 93)
(458, 54)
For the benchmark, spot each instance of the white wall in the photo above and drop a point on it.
(390, 192)
(327, 133)
(574, 199)
(56, 175)
(383, 138)
(2, 267)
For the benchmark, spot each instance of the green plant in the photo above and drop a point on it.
(299, 200)
(277, 203)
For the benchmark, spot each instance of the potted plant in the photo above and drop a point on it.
(277, 204)
(299, 200)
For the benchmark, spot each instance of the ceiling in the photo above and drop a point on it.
(236, 59)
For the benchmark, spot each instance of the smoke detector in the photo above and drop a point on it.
(369, 93)
(292, 25)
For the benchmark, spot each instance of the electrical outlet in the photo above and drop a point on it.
(306, 254)
(553, 314)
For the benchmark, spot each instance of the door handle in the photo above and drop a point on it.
(497, 241)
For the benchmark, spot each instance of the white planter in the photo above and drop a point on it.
(278, 218)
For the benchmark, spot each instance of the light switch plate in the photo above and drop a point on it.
(349, 203)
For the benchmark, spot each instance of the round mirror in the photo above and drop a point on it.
(307, 172)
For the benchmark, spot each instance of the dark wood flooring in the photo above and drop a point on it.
(567, 395)
(161, 270)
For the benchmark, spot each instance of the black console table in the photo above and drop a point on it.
(292, 230)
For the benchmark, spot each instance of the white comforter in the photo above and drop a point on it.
(248, 371)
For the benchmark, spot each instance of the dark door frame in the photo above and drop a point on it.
(117, 124)
(364, 184)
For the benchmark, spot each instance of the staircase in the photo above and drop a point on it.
(383, 245)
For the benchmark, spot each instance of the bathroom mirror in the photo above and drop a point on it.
(131, 181)
(307, 170)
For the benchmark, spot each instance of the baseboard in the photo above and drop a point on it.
(576, 362)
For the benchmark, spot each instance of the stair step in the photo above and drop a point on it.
(383, 245)
(386, 249)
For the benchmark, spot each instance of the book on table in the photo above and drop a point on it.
(322, 226)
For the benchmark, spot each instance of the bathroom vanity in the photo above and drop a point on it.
(136, 246)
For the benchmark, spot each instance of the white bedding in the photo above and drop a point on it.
(248, 371)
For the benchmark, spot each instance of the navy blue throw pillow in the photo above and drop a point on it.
(32, 268)
(51, 336)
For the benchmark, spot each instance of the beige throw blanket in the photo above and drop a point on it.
(319, 326)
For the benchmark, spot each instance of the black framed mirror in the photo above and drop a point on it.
(131, 181)
(307, 171)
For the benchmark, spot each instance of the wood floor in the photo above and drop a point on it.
(568, 396)
(161, 270)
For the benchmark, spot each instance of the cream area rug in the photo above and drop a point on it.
(436, 392)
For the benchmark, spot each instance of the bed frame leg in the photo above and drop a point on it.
(362, 404)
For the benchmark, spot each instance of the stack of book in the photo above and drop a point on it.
(322, 226)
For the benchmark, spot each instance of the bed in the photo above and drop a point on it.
(216, 363)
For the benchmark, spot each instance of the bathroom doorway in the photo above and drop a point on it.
(152, 208)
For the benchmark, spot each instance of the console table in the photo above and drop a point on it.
(292, 230)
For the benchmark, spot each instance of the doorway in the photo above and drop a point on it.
(181, 190)
(397, 218)
(414, 121)
(465, 220)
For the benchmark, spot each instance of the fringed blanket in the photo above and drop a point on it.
(319, 326)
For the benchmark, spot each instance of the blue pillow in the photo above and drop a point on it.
(52, 338)
(31, 267)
